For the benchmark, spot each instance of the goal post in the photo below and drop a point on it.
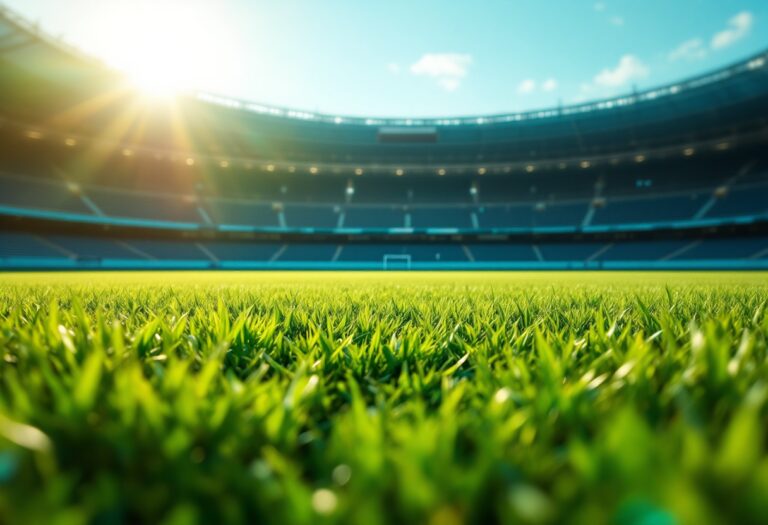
(392, 261)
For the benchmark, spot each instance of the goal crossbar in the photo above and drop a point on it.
(397, 259)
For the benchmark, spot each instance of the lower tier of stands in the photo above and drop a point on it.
(32, 251)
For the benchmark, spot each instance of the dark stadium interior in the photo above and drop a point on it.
(675, 177)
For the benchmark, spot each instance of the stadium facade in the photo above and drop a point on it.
(94, 176)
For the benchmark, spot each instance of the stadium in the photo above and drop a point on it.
(423, 361)
(669, 178)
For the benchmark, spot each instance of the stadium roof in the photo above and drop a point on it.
(753, 63)
(51, 86)
(508, 56)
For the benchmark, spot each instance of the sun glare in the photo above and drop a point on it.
(164, 47)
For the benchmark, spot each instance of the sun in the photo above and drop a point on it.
(156, 83)
(163, 47)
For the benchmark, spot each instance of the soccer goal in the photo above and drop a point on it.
(392, 261)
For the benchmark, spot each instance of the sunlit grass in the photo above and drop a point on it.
(383, 398)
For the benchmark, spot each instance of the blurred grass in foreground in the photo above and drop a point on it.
(439, 398)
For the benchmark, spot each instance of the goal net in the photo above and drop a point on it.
(396, 262)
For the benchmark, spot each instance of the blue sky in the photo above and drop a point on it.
(408, 57)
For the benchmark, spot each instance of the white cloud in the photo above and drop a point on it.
(442, 65)
(617, 21)
(738, 27)
(549, 85)
(628, 69)
(599, 7)
(394, 68)
(530, 85)
(448, 69)
(692, 49)
(527, 86)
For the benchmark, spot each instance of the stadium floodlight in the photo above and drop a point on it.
(689, 152)
(395, 261)
(224, 164)
(530, 168)
(399, 172)
(70, 142)
(270, 167)
(585, 164)
(481, 171)
(190, 161)
(441, 171)
(313, 170)
(721, 191)
(34, 135)
(358, 171)
(639, 158)
(127, 152)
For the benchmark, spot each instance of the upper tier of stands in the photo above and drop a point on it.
(707, 187)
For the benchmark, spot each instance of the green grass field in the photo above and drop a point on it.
(435, 398)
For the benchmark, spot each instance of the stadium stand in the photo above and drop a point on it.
(374, 217)
(746, 200)
(311, 216)
(232, 211)
(673, 177)
(40, 194)
(123, 203)
(40, 251)
(649, 209)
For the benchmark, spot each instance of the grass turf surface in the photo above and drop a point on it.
(377, 398)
